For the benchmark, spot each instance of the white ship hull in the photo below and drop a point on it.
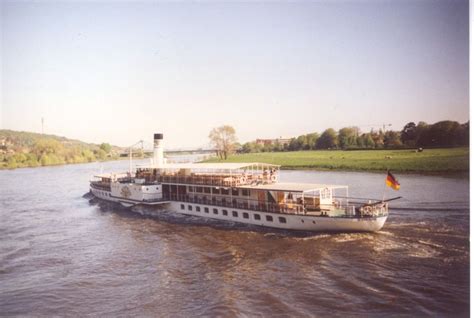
(285, 221)
(282, 221)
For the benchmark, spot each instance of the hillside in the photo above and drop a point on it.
(27, 149)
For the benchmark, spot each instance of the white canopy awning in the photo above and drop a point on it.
(294, 187)
(213, 166)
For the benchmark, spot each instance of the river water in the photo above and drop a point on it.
(61, 254)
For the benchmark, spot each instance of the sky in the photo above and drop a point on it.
(120, 71)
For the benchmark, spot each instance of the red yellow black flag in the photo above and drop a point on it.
(392, 182)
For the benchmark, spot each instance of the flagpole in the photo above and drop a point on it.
(384, 188)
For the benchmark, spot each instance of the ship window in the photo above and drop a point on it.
(190, 189)
(215, 190)
(199, 189)
(235, 214)
(206, 210)
(147, 188)
(215, 211)
(282, 219)
(325, 193)
(198, 209)
(256, 216)
(224, 212)
(207, 190)
(157, 188)
(245, 192)
(224, 191)
(182, 206)
(269, 218)
(235, 191)
(190, 208)
(245, 215)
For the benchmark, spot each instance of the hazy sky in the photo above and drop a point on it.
(118, 72)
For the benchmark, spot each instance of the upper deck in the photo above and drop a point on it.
(212, 174)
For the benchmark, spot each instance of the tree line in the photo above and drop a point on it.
(23, 149)
(441, 134)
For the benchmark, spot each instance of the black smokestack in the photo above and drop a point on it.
(158, 136)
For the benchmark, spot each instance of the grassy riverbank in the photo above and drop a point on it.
(448, 160)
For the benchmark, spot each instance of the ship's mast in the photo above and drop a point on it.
(130, 154)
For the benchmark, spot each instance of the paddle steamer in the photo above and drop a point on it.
(239, 192)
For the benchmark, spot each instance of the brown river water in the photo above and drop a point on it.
(64, 254)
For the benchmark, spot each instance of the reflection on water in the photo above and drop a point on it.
(61, 254)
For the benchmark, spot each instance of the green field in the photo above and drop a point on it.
(448, 160)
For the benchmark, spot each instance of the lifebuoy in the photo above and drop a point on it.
(369, 209)
(273, 178)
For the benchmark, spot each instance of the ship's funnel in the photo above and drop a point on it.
(158, 150)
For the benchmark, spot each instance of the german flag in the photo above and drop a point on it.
(392, 182)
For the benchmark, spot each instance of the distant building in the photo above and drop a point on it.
(272, 142)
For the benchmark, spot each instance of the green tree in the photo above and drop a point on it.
(347, 137)
(277, 147)
(377, 138)
(392, 139)
(105, 147)
(11, 163)
(88, 155)
(328, 139)
(101, 154)
(294, 145)
(31, 160)
(409, 134)
(223, 138)
(47, 146)
(463, 134)
(422, 134)
(251, 147)
(368, 141)
(311, 140)
(444, 133)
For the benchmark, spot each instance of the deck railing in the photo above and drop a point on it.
(283, 208)
(99, 185)
(219, 180)
(248, 204)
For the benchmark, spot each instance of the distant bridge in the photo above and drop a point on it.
(149, 153)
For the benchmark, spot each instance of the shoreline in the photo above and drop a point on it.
(62, 164)
(410, 172)
(447, 173)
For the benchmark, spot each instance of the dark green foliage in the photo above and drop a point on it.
(347, 137)
(441, 134)
(328, 139)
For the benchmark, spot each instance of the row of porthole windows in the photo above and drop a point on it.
(139, 190)
(107, 194)
(147, 189)
(157, 188)
(235, 214)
